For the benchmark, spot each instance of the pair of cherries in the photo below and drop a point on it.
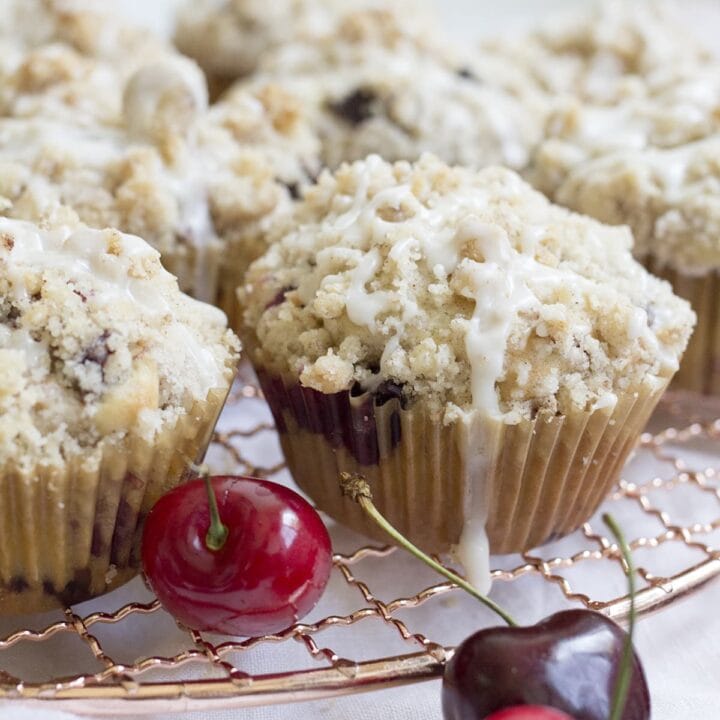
(242, 556)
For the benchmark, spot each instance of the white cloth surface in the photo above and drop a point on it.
(680, 646)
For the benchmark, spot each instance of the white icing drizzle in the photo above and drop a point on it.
(362, 306)
(166, 95)
(500, 291)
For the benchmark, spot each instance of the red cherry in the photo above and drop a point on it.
(528, 712)
(269, 572)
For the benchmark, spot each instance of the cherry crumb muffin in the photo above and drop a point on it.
(485, 358)
(111, 381)
(69, 57)
(371, 86)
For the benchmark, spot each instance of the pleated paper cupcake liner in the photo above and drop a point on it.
(230, 279)
(197, 266)
(530, 482)
(73, 532)
(700, 367)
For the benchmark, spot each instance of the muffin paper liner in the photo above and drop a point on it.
(197, 268)
(536, 480)
(230, 279)
(700, 367)
(71, 533)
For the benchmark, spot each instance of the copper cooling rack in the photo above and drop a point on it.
(130, 657)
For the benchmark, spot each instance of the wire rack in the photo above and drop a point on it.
(372, 628)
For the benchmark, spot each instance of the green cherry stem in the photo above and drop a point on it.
(357, 489)
(217, 533)
(624, 673)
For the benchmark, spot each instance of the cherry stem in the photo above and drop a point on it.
(357, 488)
(217, 533)
(622, 686)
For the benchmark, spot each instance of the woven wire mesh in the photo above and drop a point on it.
(669, 497)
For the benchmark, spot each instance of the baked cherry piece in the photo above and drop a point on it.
(529, 712)
(258, 567)
(570, 662)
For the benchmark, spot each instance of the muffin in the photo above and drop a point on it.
(230, 37)
(198, 183)
(370, 86)
(111, 382)
(486, 359)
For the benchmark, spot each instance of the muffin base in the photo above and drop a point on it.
(542, 478)
(700, 367)
(72, 533)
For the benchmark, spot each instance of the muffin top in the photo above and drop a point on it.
(678, 105)
(670, 197)
(97, 343)
(229, 37)
(468, 289)
(603, 52)
(373, 87)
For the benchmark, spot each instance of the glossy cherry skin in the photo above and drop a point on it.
(568, 662)
(529, 712)
(270, 572)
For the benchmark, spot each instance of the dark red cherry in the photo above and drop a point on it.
(269, 571)
(569, 662)
(529, 712)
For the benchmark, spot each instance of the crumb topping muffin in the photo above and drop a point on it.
(373, 87)
(229, 37)
(605, 52)
(96, 343)
(468, 289)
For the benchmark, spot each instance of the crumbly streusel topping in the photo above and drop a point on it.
(373, 87)
(229, 37)
(604, 52)
(97, 342)
(679, 105)
(467, 288)
(105, 123)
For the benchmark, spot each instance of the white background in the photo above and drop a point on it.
(680, 647)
